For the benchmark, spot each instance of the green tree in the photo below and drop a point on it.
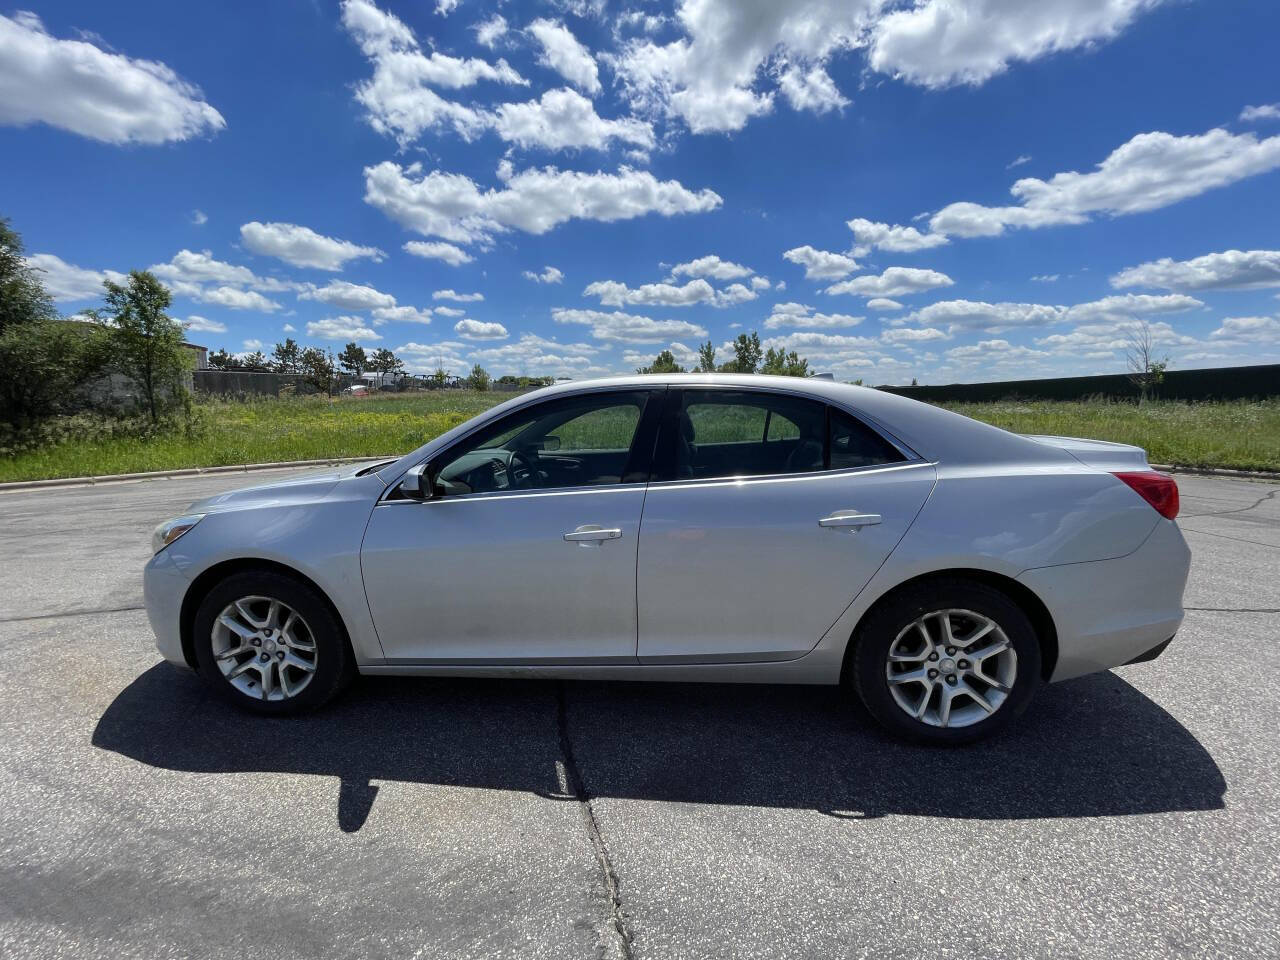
(23, 298)
(146, 343)
(44, 361)
(746, 354)
(254, 362)
(1146, 370)
(221, 360)
(440, 376)
(317, 368)
(665, 362)
(479, 379)
(287, 357)
(783, 364)
(385, 363)
(353, 359)
(707, 358)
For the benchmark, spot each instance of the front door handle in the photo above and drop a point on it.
(849, 519)
(592, 535)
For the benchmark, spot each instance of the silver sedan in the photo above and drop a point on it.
(690, 528)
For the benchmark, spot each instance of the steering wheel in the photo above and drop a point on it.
(524, 475)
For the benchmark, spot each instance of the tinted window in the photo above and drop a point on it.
(854, 444)
(723, 433)
(571, 442)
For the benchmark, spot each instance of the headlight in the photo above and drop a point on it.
(171, 530)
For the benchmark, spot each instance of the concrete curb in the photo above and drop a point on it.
(185, 472)
(1219, 472)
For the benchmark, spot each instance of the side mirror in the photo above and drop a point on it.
(416, 484)
(550, 444)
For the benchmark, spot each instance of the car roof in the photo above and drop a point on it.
(934, 433)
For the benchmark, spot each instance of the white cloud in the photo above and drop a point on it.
(446, 7)
(627, 327)
(199, 218)
(341, 328)
(426, 357)
(70, 284)
(489, 32)
(799, 315)
(289, 328)
(1131, 305)
(1150, 171)
(548, 275)
(894, 282)
(398, 98)
(562, 53)
(452, 206)
(198, 324)
(883, 304)
(1266, 111)
(457, 297)
(478, 330)
(538, 356)
(188, 270)
(302, 246)
(711, 76)
(1229, 270)
(234, 299)
(711, 267)
(348, 296)
(909, 335)
(993, 352)
(1249, 330)
(437, 250)
(614, 293)
(76, 86)
(1101, 340)
(383, 315)
(810, 88)
(449, 312)
(1018, 161)
(1046, 278)
(821, 264)
(999, 317)
(936, 43)
(563, 119)
(252, 345)
(869, 235)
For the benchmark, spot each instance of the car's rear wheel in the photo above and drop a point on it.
(946, 662)
(270, 643)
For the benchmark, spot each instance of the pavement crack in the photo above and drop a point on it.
(71, 613)
(573, 781)
(1222, 513)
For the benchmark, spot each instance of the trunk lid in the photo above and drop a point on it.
(1098, 453)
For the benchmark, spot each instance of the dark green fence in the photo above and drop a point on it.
(1222, 383)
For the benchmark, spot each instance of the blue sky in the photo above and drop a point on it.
(947, 189)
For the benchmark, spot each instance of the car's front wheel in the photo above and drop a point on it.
(946, 662)
(270, 643)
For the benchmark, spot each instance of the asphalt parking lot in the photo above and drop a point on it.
(1132, 813)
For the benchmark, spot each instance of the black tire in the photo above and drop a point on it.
(882, 626)
(334, 665)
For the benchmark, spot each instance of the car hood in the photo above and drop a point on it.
(299, 488)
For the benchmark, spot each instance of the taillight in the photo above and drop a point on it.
(1158, 489)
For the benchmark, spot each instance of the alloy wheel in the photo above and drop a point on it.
(264, 648)
(951, 668)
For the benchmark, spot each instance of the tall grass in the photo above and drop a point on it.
(1242, 435)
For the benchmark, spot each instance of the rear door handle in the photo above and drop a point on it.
(591, 535)
(849, 519)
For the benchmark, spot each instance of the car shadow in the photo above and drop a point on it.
(1091, 747)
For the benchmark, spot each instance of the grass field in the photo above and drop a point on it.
(1240, 435)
